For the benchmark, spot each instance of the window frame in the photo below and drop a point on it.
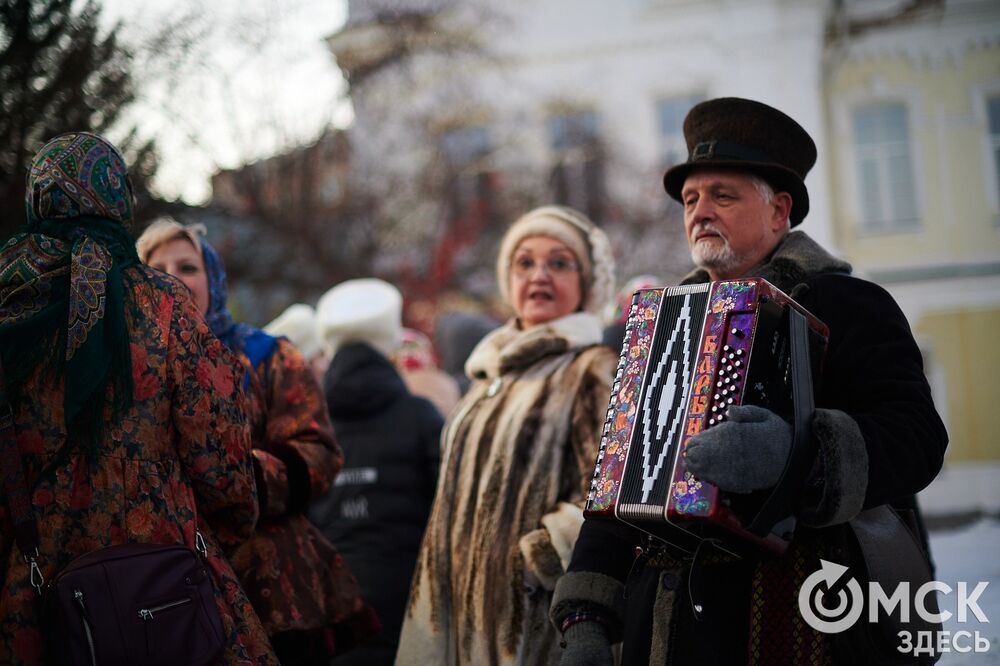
(981, 96)
(588, 156)
(849, 171)
(695, 97)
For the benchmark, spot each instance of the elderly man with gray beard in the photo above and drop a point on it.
(875, 439)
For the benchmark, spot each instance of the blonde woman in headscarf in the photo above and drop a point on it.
(519, 450)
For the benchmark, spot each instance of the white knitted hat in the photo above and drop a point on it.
(298, 324)
(590, 245)
(368, 310)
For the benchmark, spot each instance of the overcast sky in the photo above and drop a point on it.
(259, 78)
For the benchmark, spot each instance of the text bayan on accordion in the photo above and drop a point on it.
(687, 355)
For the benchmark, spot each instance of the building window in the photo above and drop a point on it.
(577, 177)
(470, 182)
(888, 197)
(670, 114)
(464, 146)
(993, 114)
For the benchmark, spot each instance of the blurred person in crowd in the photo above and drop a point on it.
(414, 358)
(298, 324)
(457, 334)
(518, 452)
(128, 414)
(618, 310)
(378, 507)
(306, 598)
(874, 439)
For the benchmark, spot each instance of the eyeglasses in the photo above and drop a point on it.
(525, 266)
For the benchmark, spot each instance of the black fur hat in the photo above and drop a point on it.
(736, 133)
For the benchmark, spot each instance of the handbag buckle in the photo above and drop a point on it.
(199, 544)
(37, 579)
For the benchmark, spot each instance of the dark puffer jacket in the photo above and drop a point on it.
(377, 509)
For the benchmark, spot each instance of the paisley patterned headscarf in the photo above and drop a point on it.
(62, 295)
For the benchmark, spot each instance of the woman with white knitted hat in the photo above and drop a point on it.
(518, 452)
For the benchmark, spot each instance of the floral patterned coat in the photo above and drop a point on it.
(294, 577)
(179, 457)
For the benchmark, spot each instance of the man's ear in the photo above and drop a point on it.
(782, 203)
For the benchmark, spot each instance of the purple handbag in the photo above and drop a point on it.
(136, 603)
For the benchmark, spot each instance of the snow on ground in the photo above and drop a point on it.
(970, 553)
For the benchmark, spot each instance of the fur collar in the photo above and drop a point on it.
(509, 347)
(795, 259)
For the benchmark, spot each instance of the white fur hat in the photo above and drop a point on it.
(368, 310)
(590, 245)
(298, 324)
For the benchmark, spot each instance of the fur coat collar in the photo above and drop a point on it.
(796, 258)
(509, 347)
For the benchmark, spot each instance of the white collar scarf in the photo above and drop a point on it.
(509, 347)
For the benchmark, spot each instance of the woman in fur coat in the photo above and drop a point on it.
(518, 452)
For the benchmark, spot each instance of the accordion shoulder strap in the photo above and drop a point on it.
(779, 504)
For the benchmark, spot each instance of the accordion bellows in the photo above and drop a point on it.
(687, 355)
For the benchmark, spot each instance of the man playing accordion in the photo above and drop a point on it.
(875, 436)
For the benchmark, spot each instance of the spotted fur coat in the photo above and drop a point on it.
(518, 452)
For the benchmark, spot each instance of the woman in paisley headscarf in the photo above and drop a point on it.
(128, 415)
(309, 602)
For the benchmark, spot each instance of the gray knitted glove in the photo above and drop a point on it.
(745, 452)
(587, 644)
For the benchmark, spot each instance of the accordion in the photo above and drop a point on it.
(687, 355)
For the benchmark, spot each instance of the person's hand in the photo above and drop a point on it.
(587, 644)
(745, 452)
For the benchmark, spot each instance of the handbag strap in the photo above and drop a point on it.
(15, 486)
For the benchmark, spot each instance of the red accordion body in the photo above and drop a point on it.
(688, 354)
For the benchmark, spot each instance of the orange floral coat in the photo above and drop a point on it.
(296, 580)
(178, 458)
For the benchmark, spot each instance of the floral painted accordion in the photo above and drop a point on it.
(688, 354)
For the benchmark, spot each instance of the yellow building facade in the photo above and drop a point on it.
(913, 131)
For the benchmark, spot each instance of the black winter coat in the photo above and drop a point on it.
(376, 512)
(873, 374)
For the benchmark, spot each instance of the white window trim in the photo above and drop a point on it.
(843, 117)
(980, 95)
